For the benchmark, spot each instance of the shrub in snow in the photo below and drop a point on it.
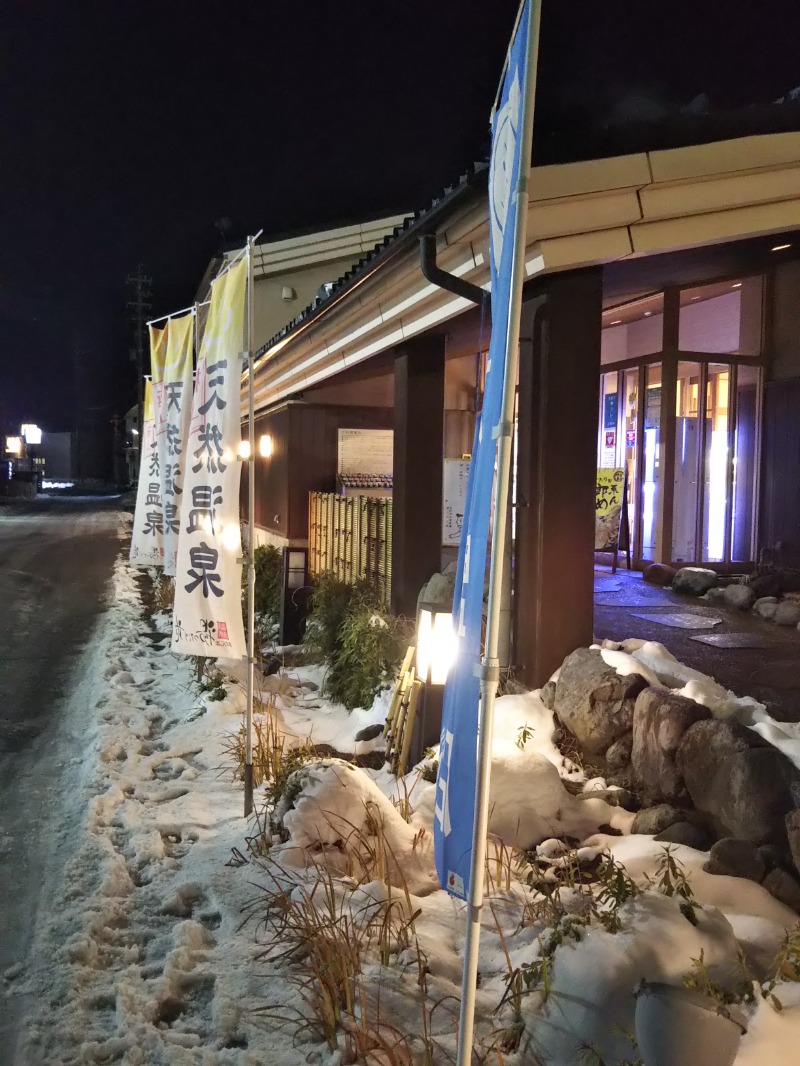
(359, 644)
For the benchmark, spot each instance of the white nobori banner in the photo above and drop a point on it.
(172, 400)
(208, 579)
(147, 538)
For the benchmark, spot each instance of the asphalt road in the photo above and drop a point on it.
(56, 558)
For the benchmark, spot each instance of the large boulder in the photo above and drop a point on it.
(660, 718)
(593, 701)
(654, 820)
(694, 580)
(766, 607)
(744, 784)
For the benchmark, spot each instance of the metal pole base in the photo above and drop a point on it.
(248, 789)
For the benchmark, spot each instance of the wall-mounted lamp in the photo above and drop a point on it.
(265, 446)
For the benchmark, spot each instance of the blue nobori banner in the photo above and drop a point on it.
(456, 783)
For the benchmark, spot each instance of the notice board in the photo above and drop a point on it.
(366, 451)
(611, 512)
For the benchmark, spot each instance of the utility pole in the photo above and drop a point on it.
(140, 308)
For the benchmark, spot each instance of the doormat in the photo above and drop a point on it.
(681, 621)
(737, 640)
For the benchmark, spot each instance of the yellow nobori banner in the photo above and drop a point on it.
(173, 402)
(208, 600)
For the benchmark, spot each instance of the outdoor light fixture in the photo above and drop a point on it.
(436, 643)
(135, 432)
(243, 451)
(31, 433)
(265, 446)
(14, 445)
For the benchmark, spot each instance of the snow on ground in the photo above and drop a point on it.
(161, 948)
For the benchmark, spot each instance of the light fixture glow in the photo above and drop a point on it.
(617, 322)
(736, 285)
(31, 433)
(436, 644)
(647, 314)
(265, 446)
(14, 445)
(230, 537)
(780, 247)
(243, 451)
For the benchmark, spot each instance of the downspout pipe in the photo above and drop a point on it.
(436, 276)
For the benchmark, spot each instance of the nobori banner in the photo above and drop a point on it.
(147, 538)
(172, 400)
(456, 782)
(208, 579)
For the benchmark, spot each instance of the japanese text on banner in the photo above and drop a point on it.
(208, 580)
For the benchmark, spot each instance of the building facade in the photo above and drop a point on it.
(659, 336)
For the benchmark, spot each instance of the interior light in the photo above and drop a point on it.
(695, 298)
(737, 285)
(617, 322)
(243, 451)
(31, 433)
(265, 446)
(781, 247)
(647, 314)
(14, 445)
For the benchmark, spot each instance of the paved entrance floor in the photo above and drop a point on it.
(768, 671)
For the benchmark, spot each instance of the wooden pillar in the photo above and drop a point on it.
(556, 471)
(418, 462)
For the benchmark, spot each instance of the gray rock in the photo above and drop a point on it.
(739, 596)
(593, 701)
(766, 607)
(793, 834)
(439, 590)
(738, 779)
(369, 732)
(783, 887)
(694, 580)
(693, 836)
(618, 755)
(787, 613)
(715, 595)
(548, 695)
(653, 820)
(736, 858)
(614, 797)
(660, 718)
(770, 855)
(766, 585)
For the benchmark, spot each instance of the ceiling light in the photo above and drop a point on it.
(695, 298)
(617, 322)
(781, 247)
(736, 285)
(647, 314)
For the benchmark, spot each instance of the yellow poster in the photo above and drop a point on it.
(609, 495)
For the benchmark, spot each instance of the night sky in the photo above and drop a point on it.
(128, 129)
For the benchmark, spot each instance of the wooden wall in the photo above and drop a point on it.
(304, 459)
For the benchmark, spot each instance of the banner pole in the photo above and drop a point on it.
(251, 570)
(490, 670)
